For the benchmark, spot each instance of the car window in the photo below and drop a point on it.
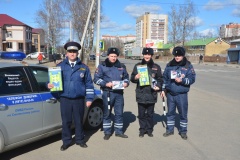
(13, 81)
(41, 76)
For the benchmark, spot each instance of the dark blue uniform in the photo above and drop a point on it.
(78, 86)
(108, 72)
(177, 93)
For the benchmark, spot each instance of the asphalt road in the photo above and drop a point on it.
(214, 111)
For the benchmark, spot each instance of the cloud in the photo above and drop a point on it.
(236, 12)
(214, 5)
(134, 11)
(114, 26)
(207, 31)
(127, 27)
(198, 21)
(138, 10)
(106, 23)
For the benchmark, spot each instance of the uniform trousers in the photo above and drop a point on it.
(180, 102)
(145, 117)
(116, 102)
(72, 109)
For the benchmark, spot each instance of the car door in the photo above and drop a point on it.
(21, 110)
(51, 104)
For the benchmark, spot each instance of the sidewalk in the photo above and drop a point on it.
(221, 64)
(211, 63)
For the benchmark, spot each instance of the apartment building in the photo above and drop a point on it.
(14, 35)
(230, 31)
(151, 30)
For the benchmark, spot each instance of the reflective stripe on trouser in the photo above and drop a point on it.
(181, 102)
(145, 117)
(116, 100)
(72, 109)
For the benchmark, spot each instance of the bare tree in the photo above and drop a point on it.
(182, 22)
(187, 21)
(117, 42)
(79, 10)
(50, 18)
(174, 21)
(196, 35)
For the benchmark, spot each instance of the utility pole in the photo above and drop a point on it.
(98, 35)
(85, 29)
(70, 27)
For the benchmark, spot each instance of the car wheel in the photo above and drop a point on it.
(29, 57)
(94, 117)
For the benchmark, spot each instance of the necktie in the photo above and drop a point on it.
(72, 65)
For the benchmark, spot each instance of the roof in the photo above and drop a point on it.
(7, 20)
(200, 42)
(234, 49)
(37, 30)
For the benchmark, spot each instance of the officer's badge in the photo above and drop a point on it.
(81, 75)
(82, 69)
(121, 75)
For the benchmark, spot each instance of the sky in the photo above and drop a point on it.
(119, 16)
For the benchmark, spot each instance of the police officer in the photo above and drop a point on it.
(146, 96)
(178, 75)
(112, 70)
(77, 86)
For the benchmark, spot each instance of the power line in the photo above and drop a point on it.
(225, 4)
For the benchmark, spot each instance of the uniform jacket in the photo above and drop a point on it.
(77, 82)
(108, 72)
(145, 94)
(183, 68)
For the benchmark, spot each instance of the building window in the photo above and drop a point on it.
(9, 45)
(20, 46)
(9, 34)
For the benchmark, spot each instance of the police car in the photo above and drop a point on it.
(28, 110)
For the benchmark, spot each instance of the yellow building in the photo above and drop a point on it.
(207, 46)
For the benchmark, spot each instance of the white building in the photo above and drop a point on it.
(230, 30)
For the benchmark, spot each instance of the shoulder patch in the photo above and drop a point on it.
(82, 69)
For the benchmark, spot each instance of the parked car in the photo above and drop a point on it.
(29, 111)
(92, 57)
(35, 55)
(104, 54)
